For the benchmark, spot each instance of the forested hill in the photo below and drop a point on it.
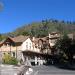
(40, 29)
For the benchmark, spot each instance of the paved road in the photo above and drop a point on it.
(37, 70)
(8, 69)
(51, 70)
(12, 70)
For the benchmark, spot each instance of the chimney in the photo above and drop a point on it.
(33, 38)
(49, 35)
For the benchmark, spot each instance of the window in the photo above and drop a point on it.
(30, 45)
(4, 53)
(13, 54)
(13, 44)
(7, 45)
(26, 45)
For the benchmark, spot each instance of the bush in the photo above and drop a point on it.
(13, 61)
(7, 59)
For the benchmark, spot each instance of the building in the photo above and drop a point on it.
(35, 56)
(30, 50)
(13, 46)
(53, 38)
(23, 48)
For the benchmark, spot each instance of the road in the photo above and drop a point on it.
(8, 69)
(37, 70)
(12, 70)
(51, 70)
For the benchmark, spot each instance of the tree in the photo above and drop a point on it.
(25, 33)
(65, 48)
(33, 32)
(0, 37)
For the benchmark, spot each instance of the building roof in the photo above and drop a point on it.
(53, 33)
(17, 39)
(20, 38)
(44, 38)
(36, 40)
(1, 42)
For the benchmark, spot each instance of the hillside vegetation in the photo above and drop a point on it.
(41, 29)
(44, 27)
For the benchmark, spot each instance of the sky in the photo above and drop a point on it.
(16, 13)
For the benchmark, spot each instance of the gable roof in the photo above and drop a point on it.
(17, 39)
(1, 42)
(20, 38)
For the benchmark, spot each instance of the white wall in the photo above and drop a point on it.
(52, 41)
(27, 45)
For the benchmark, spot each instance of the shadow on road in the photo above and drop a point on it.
(65, 66)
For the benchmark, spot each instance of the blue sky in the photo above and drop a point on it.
(16, 13)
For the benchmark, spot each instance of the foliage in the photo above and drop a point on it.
(65, 48)
(13, 61)
(7, 59)
(0, 37)
(44, 27)
(41, 29)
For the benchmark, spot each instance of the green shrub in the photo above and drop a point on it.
(7, 59)
(13, 61)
